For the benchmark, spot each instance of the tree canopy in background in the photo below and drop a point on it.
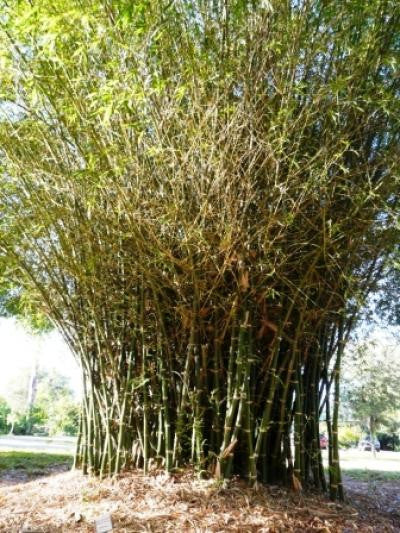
(372, 386)
(4, 412)
(39, 402)
(200, 195)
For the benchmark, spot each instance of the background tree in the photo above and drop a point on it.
(51, 408)
(4, 413)
(55, 407)
(372, 386)
(17, 399)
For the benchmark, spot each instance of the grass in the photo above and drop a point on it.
(364, 474)
(364, 466)
(32, 463)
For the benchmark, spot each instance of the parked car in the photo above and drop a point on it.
(365, 445)
(323, 442)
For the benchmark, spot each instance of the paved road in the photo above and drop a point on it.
(9, 443)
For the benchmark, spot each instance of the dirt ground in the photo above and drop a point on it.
(376, 500)
(70, 502)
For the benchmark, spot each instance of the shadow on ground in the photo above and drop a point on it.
(21, 467)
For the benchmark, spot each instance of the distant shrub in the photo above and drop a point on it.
(349, 436)
(389, 441)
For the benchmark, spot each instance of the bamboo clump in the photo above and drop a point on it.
(200, 199)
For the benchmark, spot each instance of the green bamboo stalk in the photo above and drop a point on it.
(78, 455)
(235, 410)
(216, 397)
(337, 486)
(122, 422)
(160, 437)
(265, 420)
(248, 425)
(164, 420)
(298, 471)
(231, 364)
(180, 416)
(146, 421)
(84, 442)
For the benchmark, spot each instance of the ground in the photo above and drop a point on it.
(376, 500)
(38, 495)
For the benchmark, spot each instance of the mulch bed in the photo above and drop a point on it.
(70, 502)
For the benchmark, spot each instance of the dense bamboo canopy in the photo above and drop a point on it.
(200, 195)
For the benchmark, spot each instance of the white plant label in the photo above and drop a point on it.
(103, 524)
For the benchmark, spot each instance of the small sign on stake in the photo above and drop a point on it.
(103, 524)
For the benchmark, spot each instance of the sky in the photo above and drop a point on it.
(383, 336)
(19, 348)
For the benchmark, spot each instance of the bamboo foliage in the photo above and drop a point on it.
(199, 195)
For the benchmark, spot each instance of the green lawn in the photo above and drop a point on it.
(364, 466)
(32, 463)
(371, 475)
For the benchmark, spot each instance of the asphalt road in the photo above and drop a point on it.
(9, 443)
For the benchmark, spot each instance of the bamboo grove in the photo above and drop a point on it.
(200, 195)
